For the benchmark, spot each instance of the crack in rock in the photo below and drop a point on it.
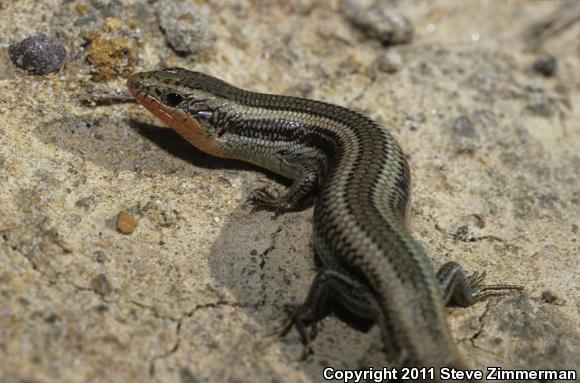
(481, 325)
(169, 352)
(263, 256)
(173, 349)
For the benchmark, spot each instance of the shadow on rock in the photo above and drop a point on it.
(121, 145)
(268, 263)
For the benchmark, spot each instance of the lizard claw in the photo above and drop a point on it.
(295, 318)
(479, 291)
(265, 199)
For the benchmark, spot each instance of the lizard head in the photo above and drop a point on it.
(184, 100)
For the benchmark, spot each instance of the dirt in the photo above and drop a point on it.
(195, 291)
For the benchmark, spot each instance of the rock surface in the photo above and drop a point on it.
(193, 293)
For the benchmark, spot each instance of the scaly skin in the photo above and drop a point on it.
(371, 264)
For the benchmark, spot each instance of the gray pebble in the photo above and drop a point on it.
(464, 234)
(99, 256)
(101, 285)
(463, 127)
(38, 54)
(390, 61)
(546, 65)
(543, 107)
(186, 29)
(382, 23)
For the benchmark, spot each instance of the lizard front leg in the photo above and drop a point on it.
(306, 163)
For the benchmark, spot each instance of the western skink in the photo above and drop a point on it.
(372, 266)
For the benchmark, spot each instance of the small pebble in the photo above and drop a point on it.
(38, 54)
(51, 318)
(463, 127)
(389, 61)
(101, 285)
(551, 298)
(185, 27)
(381, 22)
(546, 65)
(126, 223)
(99, 256)
(101, 308)
(464, 234)
(543, 107)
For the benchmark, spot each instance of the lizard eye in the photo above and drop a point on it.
(174, 99)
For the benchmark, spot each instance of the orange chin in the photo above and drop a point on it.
(187, 126)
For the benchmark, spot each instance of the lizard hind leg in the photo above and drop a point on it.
(330, 285)
(463, 290)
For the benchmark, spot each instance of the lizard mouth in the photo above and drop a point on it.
(139, 89)
(134, 84)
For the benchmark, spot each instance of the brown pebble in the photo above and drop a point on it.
(126, 223)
